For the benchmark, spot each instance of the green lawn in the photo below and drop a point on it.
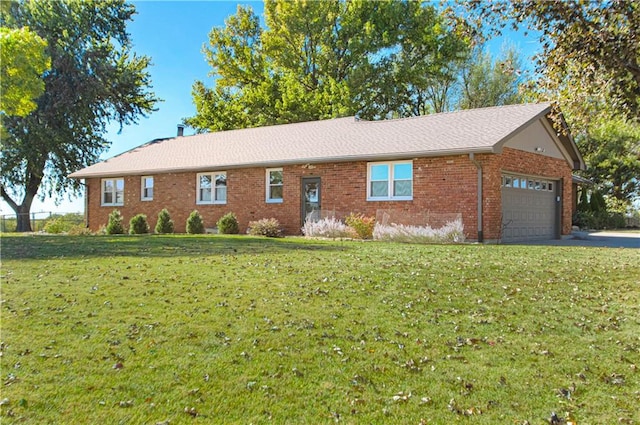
(213, 329)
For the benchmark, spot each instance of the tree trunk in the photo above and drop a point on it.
(23, 219)
(22, 211)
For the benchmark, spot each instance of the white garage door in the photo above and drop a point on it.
(529, 208)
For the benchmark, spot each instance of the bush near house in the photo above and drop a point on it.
(452, 232)
(164, 224)
(329, 227)
(58, 223)
(195, 225)
(228, 224)
(361, 224)
(269, 227)
(114, 226)
(138, 225)
(592, 213)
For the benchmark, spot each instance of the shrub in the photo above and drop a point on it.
(55, 226)
(328, 227)
(597, 203)
(114, 226)
(79, 230)
(228, 224)
(452, 232)
(269, 227)
(362, 225)
(195, 225)
(164, 224)
(138, 225)
(62, 223)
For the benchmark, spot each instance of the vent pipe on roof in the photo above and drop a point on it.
(180, 130)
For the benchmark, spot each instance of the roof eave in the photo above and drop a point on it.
(271, 164)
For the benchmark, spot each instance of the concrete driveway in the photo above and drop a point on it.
(595, 239)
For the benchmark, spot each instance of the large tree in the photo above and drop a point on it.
(23, 60)
(591, 50)
(94, 79)
(611, 149)
(488, 82)
(317, 60)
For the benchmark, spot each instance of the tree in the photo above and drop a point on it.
(94, 79)
(23, 60)
(591, 50)
(611, 150)
(488, 83)
(318, 60)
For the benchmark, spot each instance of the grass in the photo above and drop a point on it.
(220, 329)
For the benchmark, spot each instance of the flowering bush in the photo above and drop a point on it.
(328, 227)
(452, 232)
(361, 225)
(269, 227)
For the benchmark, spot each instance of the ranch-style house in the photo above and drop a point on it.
(506, 171)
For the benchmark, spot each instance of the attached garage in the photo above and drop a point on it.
(530, 208)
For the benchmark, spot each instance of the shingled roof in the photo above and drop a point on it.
(343, 139)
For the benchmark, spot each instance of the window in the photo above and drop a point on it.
(274, 185)
(390, 181)
(212, 188)
(146, 191)
(113, 191)
(520, 182)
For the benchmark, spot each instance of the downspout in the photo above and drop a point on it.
(86, 204)
(479, 167)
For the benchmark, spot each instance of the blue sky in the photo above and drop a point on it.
(173, 33)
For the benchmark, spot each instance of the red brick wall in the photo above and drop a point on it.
(440, 185)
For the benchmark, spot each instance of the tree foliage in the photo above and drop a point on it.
(591, 50)
(318, 60)
(23, 60)
(485, 82)
(611, 149)
(94, 79)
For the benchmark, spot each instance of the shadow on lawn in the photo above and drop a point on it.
(47, 246)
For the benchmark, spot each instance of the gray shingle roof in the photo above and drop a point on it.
(341, 139)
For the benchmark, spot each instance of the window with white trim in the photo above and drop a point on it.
(211, 188)
(274, 185)
(146, 188)
(390, 181)
(112, 192)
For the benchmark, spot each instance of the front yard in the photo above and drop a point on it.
(213, 329)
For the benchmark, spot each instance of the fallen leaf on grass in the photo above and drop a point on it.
(191, 411)
(402, 397)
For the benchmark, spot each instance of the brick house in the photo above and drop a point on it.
(505, 170)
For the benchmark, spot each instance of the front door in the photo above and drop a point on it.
(310, 198)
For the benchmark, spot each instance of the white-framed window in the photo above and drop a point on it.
(211, 188)
(527, 183)
(112, 192)
(390, 181)
(274, 185)
(146, 188)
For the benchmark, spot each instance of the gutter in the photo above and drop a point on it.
(479, 167)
